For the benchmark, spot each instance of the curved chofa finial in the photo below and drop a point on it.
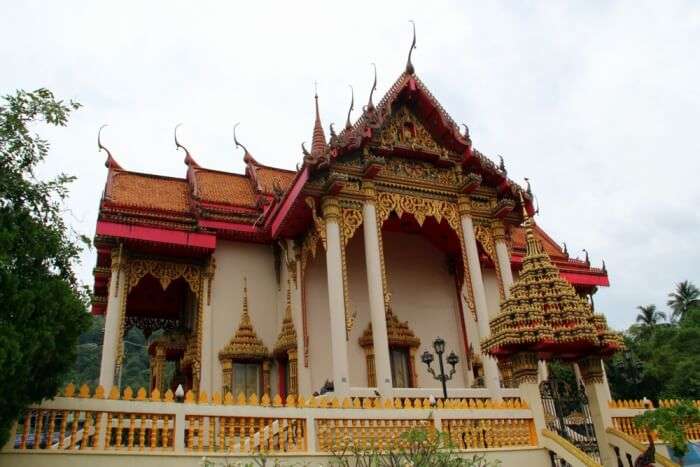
(189, 161)
(502, 165)
(348, 125)
(247, 157)
(565, 250)
(604, 268)
(529, 188)
(304, 150)
(466, 132)
(332, 130)
(409, 66)
(110, 163)
(370, 104)
(587, 260)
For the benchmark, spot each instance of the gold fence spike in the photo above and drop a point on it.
(228, 398)
(216, 398)
(241, 399)
(265, 400)
(84, 391)
(366, 403)
(389, 404)
(347, 403)
(69, 391)
(169, 395)
(313, 402)
(291, 402)
(335, 403)
(189, 397)
(114, 393)
(128, 393)
(155, 395)
(356, 403)
(301, 403)
(277, 401)
(323, 402)
(253, 399)
(99, 392)
(440, 404)
(203, 397)
(141, 394)
(407, 404)
(377, 403)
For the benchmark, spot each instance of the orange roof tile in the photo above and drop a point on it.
(268, 175)
(149, 192)
(220, 187)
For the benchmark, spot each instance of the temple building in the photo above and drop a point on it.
(396, 280)
(392, 232)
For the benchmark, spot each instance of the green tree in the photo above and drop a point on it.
(649, 315)
(685, 298)
(43, 307)
(670, 423)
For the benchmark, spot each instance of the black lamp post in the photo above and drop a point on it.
(452, 360)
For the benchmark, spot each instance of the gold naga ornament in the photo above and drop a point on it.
(544, 314)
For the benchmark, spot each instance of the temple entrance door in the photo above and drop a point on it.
(567, 413)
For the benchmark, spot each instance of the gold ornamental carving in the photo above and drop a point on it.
(319, 222)
(287, 338)
(352, 219)
(420, 208)
(404, 129)
(483, 236)
(165, 272)
(420, 170)
(245, 344)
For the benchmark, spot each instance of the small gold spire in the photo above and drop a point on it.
(245, 343)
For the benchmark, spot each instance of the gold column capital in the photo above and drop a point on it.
(464, 205)
(591, 369)
(118, 258)
(498, 230)
(369, 190)
(331, 208)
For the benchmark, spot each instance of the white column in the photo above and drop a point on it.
(336, 298)
(111, 339)
(503, 258)
(375, 287)
(490, 367)
(206, 364)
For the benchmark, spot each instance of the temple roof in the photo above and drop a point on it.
(187, 215)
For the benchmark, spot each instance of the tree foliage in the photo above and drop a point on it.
(43, 307)
(660, 360)
(670, 423)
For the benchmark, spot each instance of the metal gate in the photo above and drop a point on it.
(566, 413)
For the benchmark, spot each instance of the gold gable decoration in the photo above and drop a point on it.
(165, 272)
(544, 314)
(399, 335)
(398, 332)
(245, 344)
(287, 339)
(404, 129)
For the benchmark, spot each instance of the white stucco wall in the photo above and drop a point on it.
(493, 299)
(423, 293)
(234, 261)
(318, 323)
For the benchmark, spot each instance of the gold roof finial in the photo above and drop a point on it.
(348, 125)
(533, 246)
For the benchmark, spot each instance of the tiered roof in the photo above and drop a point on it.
(545, 315)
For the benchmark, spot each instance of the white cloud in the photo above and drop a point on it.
(596, 102)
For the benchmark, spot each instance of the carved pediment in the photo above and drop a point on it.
(403, 129)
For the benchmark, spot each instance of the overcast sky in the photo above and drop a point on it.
(597, 102)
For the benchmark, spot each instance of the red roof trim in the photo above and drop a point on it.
(585, 279)
(156, 235)
(290, 198)
(229, 226)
